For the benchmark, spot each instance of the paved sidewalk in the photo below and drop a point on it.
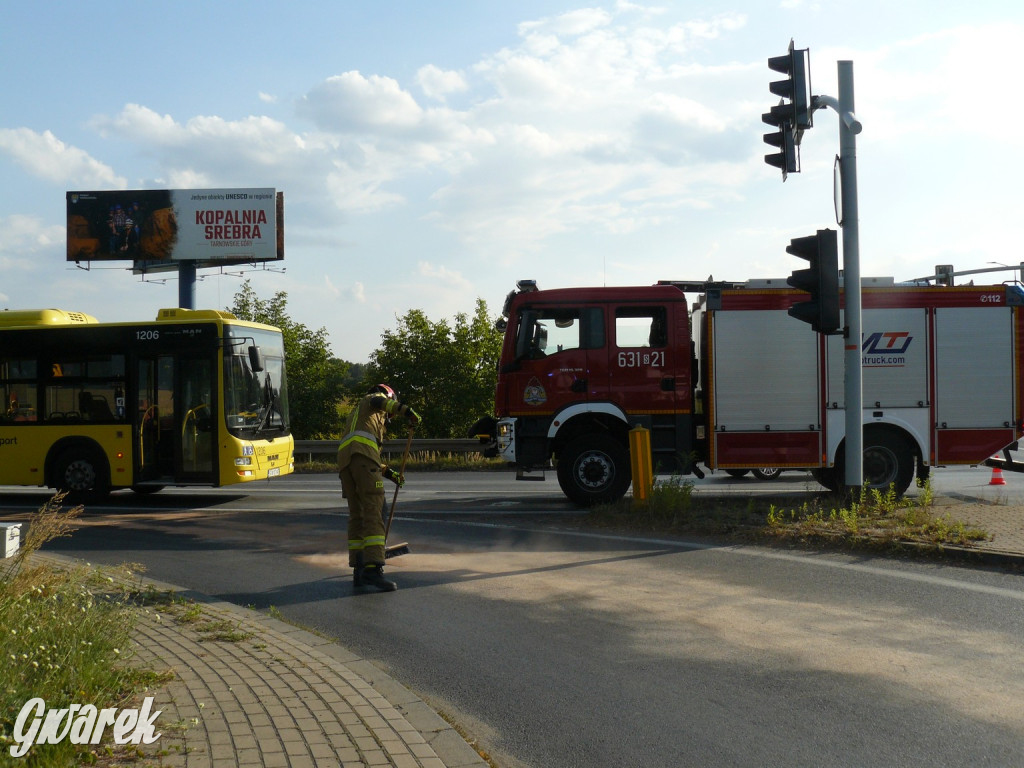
(996, 508)
(276, 695)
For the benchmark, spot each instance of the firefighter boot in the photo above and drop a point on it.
(373, 576)
(357, 570)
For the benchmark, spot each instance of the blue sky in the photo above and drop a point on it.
(433, 153)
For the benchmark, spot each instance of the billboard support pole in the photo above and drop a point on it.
(187, 284)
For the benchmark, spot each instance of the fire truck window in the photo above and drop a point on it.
(640, 327)
(563, 331)
(550, 331)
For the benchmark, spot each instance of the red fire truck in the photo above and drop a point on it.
(732, 381)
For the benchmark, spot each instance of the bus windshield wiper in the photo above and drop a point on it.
(270, 399)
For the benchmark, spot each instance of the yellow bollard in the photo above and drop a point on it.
(641, 464)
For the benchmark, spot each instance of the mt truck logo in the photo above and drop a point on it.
(886, 348)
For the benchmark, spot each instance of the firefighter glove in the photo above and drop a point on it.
(395, 477)
(414, 418)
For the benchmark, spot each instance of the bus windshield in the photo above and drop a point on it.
(255, 388)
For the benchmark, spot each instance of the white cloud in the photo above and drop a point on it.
(572, 23)
(437, 83)
(46, 156)
(441, 274)
(25, 237)
(938, 83)
(351, 102)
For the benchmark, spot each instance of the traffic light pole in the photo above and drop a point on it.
(853, 394)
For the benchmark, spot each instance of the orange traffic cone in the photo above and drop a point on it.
(997, 477)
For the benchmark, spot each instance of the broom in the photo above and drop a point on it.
(397, 549)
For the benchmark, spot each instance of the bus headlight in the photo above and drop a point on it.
(243, 461)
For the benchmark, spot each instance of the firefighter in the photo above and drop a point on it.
(362, 476)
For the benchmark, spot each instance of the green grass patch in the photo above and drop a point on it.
(66, 638)
(877, 519)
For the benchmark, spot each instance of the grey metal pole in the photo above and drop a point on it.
(187, 284)
(849, 127)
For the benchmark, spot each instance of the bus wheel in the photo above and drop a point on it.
(82, 473)
(594, 469)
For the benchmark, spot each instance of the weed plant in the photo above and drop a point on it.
(66, 638)
(877, 518)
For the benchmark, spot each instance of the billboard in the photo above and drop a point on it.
(157, 228)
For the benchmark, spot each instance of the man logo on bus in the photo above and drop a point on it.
(887, 343)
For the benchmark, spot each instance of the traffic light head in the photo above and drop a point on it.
(796, 88)
(787, 158)
(792, 114)
(820, 280)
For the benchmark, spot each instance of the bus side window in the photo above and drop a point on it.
(94, 407)
(17, 389)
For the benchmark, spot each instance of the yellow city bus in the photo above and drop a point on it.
(196, 397)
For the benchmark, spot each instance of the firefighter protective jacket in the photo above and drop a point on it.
(367, 427)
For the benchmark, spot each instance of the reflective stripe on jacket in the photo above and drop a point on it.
(367, 427)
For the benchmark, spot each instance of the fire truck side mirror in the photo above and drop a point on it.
(820, 280)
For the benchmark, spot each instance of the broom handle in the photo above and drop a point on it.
(405, 455)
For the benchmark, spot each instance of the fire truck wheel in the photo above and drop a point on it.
(736, 472)
(887, 461)
(83, 473)
(594, 469)
(827, 477)
(767, 473)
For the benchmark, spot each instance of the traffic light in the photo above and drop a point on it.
(787, 157)
(796, 88)
(821, 280)
(793, 112)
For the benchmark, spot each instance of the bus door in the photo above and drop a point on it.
(175, 436)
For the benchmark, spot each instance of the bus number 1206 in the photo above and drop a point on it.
(147, 335)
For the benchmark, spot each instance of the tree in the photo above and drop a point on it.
(315, 379)
(447, 373)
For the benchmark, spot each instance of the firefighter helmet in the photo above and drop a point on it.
(385, 390)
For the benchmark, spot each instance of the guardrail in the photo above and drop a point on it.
(305, 450)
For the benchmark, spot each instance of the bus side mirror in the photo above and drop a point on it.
(256, 361)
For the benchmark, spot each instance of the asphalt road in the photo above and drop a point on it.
(555, 646)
